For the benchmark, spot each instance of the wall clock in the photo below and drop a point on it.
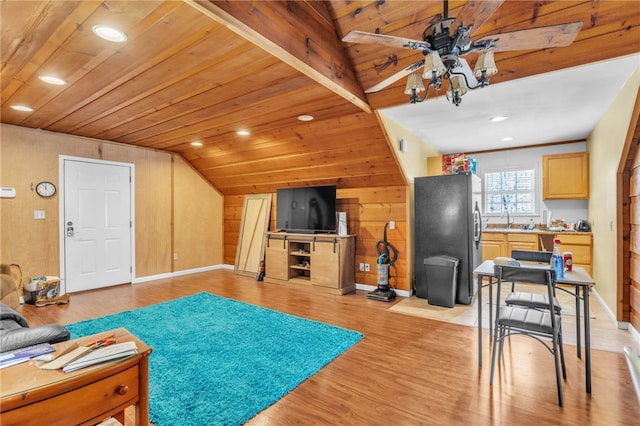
(46, 189)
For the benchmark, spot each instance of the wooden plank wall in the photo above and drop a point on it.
(197, 211)
(630, 292)
(368, 209)
(631, 307)
(29, 156)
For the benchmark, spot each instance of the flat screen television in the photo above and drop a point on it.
(309, 209)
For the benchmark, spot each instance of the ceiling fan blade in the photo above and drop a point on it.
(535, 38)
(395, 77)
(477, 12)
(385, 40)
(464, 68)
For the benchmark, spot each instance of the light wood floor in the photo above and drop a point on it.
(406, 370)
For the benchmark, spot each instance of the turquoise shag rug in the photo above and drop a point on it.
(216, 361)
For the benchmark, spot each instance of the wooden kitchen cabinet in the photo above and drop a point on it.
(521, 241)
(565, 176)
(580, 246)
(494, 244)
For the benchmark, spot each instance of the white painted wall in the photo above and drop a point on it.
(414, 161)
(569, 210)
(605, 145)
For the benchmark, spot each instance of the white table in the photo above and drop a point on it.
(579, 278)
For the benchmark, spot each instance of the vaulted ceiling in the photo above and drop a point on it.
(203, 70)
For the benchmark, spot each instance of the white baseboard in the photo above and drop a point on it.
(623, 325)
(634, 334)
(138, 280)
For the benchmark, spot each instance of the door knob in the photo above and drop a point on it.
(69, 229)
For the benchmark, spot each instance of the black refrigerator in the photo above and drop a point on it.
(448, 222)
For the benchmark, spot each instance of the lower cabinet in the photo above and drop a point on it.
(521, 241)
(493, 245)
(580, 246)
(319, 262)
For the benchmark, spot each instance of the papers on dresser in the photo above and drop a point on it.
(107, 353)
(21, 355)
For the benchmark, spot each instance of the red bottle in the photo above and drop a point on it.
(568, 260)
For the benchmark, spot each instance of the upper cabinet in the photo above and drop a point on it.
(565, 176)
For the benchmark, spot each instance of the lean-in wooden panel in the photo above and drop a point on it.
(254, 224)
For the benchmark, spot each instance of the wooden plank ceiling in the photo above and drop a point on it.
(202, 70)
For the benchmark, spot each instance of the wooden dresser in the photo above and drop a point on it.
(31, 396)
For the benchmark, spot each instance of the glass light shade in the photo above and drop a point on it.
(458, 87)
(433, 62)
(485, 63)
(414, 82)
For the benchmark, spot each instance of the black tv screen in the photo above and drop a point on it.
(309, 210)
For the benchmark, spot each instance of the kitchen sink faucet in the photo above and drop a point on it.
(505, 209)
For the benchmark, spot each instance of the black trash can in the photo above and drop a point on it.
(441, 274)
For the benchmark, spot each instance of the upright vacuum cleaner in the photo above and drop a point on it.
(387, 255)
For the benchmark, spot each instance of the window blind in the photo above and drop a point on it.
(510, 191)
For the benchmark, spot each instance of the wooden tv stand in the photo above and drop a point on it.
(319, 262)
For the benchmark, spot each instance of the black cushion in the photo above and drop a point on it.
(532, 300)
(527, 319)
(15, 333)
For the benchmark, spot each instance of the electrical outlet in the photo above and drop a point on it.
(175, 256)
(392, 224)
(38, 214)
(367, 268)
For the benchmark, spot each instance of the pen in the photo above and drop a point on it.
(100, 341)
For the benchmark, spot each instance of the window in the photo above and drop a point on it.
(510, 191)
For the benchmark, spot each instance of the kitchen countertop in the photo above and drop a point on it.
(532, 231)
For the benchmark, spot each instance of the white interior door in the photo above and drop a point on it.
(97, 224)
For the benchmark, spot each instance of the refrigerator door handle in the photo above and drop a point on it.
(477, 225)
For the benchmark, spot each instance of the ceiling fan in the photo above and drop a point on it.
(443, 47)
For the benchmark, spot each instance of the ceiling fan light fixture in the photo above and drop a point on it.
(458, 85)
(485, 65)
(414, 84)
(457, 88)
(433, 64)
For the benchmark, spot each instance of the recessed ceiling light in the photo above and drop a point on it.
(52, 80)
(498, 118)
(243, 132)
(109, 33)
(305, 117)
(22, 108)
(506, 139)
(196, 143)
